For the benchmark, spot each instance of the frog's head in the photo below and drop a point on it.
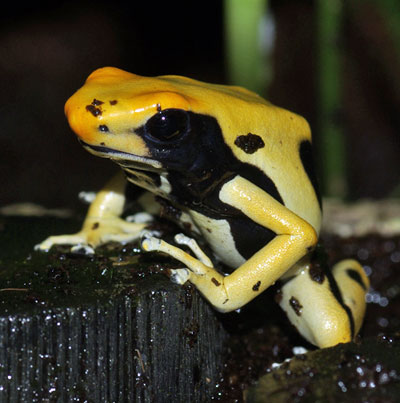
(157, 121)
(170, 124)
(129, 118)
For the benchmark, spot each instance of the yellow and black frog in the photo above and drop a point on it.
(240, 172)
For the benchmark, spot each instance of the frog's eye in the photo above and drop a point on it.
(167, 125)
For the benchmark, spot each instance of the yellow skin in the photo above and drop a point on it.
(236, 166)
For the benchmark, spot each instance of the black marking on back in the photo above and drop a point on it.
(306, 156)
(249, 143)
(355, 275)
(199, 163)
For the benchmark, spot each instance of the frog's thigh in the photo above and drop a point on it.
(294, 239)
(324, 315)
(314, 310)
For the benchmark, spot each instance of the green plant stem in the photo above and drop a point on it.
(332, 149)
(245, 60)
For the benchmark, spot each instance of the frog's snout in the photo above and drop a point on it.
(76, 116)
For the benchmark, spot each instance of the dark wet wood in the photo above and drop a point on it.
(110, 327)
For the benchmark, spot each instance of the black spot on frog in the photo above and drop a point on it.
(295, 304)
(249, 143)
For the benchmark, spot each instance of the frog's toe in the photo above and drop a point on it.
(146, 233)
(140, 218)
(46, 245)
(82, 249)
(180, 276)
(43, 246)
(182, 239)
(150, 243)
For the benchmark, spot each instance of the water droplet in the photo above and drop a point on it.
(395, 257)
(363, 254)
(382, 322)
(360, 371)
(342, 386)
(368, 270)
(383, 301)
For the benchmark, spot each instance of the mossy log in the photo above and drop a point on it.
(105, 328)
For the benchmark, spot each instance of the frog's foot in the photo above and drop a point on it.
(199, 266)
(96, 232)
(78, 240)
(327, 308)
(180, 276)
(182, 239)
(199, 271)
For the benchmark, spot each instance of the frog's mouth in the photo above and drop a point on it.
(122, 158)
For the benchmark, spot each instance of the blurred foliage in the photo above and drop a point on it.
(246, 61)
(332, 148)
(355, 67)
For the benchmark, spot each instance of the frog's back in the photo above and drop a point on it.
(276, 141)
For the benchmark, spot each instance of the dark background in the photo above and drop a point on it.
(48, 49)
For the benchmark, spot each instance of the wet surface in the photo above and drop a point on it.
(260, 335)
(365, 371)
(57, 278)
(99, 328)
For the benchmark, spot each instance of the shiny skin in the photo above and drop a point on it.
(239, 170)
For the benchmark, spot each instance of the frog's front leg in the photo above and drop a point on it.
(327, 318)
(295, 238)
(102, 223)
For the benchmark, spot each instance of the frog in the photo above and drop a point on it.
(239, 173)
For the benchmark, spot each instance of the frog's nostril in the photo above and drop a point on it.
(104, 128)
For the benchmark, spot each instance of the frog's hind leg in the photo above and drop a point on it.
(353, 284)
(327, 307)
